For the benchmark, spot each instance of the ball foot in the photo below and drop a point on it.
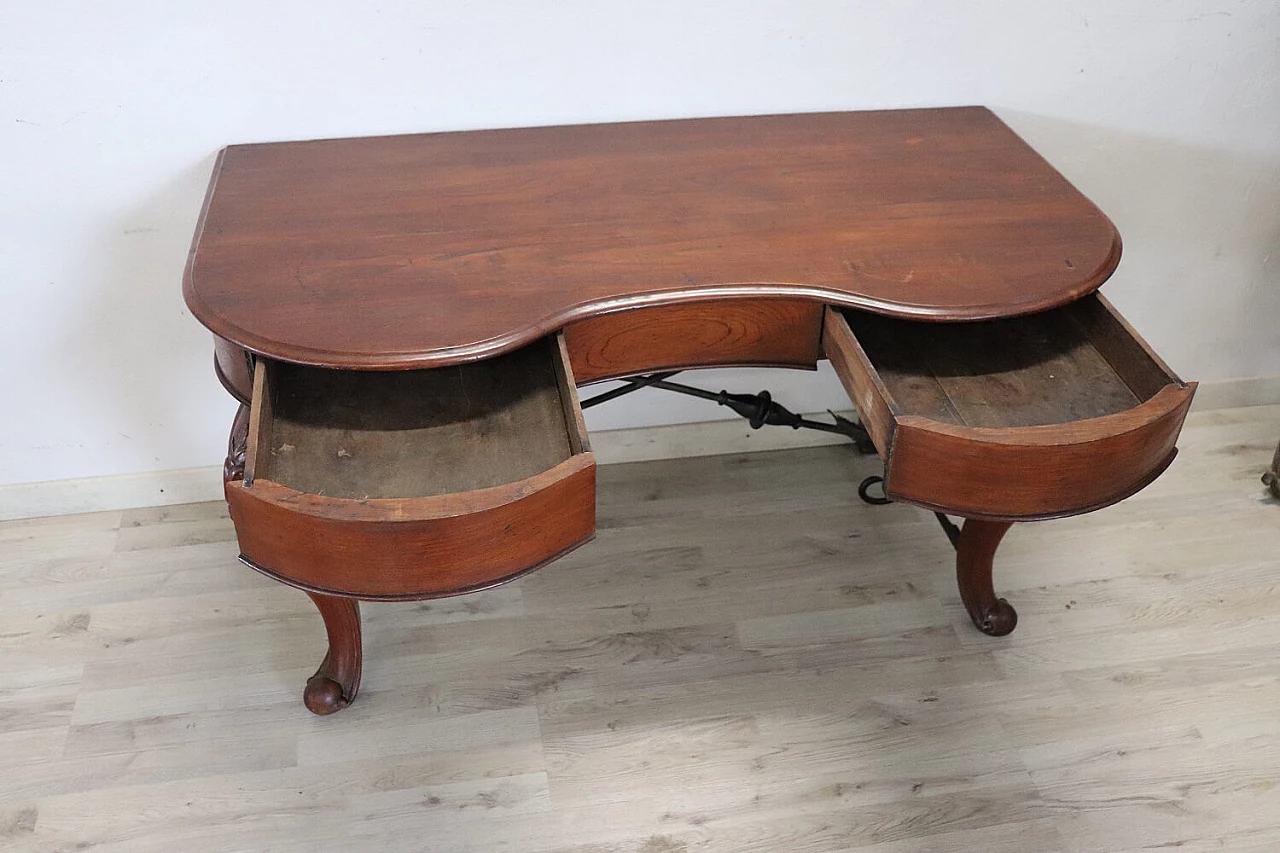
(324, 695)
(336, 682)
(998, 620)
(975, 552)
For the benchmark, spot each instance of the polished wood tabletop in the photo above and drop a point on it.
(433, 249)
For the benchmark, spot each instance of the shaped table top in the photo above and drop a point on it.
(432, 249)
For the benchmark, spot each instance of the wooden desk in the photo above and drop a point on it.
(405, 321)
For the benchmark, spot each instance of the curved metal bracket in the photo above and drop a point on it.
(949, 527)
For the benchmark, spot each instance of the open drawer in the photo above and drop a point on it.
(1037, 416)
(416, 483)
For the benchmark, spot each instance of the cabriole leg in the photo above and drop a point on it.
(974, 555)
(336, 682)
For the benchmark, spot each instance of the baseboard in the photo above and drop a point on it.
(101, 494)
(708, 438)
(1237, 393)
(192, 485)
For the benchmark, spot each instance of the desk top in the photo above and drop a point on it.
(441, 248)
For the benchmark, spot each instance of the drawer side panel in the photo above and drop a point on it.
(860, 380)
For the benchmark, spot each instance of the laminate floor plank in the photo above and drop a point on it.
(746, 658)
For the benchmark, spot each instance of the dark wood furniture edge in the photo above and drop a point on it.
(312, 589)
(680, 367)
(396, 510)
(555, 322)
(190, 295)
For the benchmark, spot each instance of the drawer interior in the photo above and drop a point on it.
(415, 433)
(1067, 364)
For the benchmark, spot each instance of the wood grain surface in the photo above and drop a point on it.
(433, 249)
(1039, 471)
(747, 658)
(722, 333)
(415, 547)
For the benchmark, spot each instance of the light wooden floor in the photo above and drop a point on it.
(746, 659)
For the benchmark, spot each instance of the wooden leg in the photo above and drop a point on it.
(336, 682)
(974, 555)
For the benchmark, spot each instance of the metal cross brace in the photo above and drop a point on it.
(759, 409)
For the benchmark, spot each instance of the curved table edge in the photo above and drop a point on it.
(554, 321)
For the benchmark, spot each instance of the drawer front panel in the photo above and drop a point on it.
(1035, 472)
(725, 332)
(423, 548)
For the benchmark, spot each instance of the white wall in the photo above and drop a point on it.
(1166, 113)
